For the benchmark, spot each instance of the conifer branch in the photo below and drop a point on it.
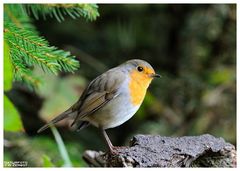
(28, 49)
(23, 74)
(16, 14)
(88, 11)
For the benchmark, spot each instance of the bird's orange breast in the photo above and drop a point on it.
(138, 85)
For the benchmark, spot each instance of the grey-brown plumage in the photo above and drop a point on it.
(98, 93)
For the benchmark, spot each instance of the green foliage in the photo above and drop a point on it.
(8, 75)
(35, 50)
(47, 161)
(61, 147)
(15, 14)
(12, 121)
(88, 11)
(28, 49)
(222, 75)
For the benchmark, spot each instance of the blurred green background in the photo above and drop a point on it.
(193, 47)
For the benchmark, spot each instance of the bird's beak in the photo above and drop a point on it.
(155, 76)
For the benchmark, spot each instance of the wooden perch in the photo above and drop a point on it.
(158, 151)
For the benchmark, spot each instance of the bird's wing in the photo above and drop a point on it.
(98, 93)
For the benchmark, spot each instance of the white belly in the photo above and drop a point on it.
(113, 114)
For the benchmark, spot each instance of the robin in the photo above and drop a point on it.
(110, 99)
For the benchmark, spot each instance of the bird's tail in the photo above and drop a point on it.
(60, 117)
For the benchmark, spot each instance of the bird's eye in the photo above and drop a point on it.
(140, 69)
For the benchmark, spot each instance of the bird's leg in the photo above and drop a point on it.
(107, 140)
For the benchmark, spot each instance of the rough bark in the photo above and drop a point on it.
(157, 151)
